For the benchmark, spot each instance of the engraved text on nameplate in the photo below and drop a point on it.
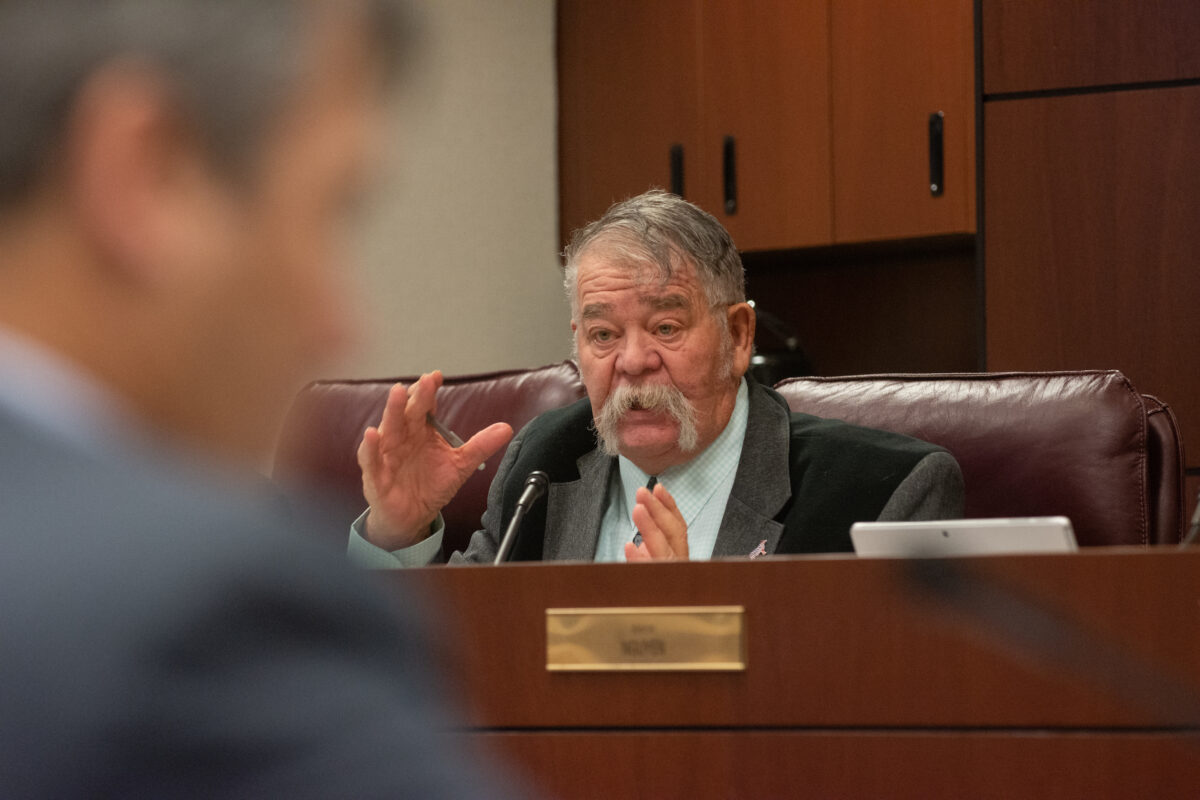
(696, 638)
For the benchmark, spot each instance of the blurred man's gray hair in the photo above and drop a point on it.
(229, 64)
(666, 232)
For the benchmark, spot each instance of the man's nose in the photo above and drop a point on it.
(638, 354)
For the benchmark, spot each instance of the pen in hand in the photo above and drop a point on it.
(450, 436)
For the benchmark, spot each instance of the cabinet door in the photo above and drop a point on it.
(895, 64)
(1093, 247)
(1031, 46)
(628, 91)
(765, 81)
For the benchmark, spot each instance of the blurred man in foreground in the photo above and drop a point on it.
(172, 173)
(675, 453)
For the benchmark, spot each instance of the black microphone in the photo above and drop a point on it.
(1194, 530)
(535, 487)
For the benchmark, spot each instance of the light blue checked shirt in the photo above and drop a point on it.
(700, 487)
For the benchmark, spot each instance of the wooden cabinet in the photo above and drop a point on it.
(1091, 174)
(627, 93)
(1092, 239)
(765, 86)
(1040, 46)
(803, 122)
(894, 66)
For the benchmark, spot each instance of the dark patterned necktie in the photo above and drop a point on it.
(637, 535)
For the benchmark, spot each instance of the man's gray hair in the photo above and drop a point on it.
(662, 230)
(228, 63)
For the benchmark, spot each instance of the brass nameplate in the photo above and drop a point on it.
(674, 638)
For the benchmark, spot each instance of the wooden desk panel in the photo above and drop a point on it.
(834, 642)
(860, 683)
(854, 764)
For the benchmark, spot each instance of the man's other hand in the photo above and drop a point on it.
(409, 472)
(664, 533)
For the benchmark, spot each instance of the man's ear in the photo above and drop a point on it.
(133, 166)
(741, 320)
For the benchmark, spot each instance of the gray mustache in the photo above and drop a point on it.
(654, 397)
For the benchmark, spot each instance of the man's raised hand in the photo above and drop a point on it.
(409, 472)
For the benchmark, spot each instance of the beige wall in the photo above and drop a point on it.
(458, 265)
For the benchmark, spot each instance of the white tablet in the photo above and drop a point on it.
(963, 537)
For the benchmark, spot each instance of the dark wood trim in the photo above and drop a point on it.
(980, 217)
(1076, 90)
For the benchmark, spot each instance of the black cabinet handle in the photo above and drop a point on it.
(936, 167)
(729, 160)
(676, 157)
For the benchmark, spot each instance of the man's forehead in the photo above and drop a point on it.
(650, 277)
(668, 299)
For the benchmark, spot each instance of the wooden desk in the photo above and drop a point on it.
(1063, 676)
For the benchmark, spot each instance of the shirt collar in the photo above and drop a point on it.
(693, 482)
(44, 389)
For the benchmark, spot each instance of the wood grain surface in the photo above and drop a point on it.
(1093, 243)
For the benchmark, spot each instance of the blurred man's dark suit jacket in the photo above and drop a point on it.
(163, 634)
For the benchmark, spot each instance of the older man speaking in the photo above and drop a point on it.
(675, 453)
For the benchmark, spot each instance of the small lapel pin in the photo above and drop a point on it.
(761, 550)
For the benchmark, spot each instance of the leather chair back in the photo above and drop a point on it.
(1083, 444)
(318, 445)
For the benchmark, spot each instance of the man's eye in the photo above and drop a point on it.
(602, 336)
(666, 330)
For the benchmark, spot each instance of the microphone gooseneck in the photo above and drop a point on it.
(535, 486)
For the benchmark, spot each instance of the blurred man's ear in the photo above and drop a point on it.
(134, 174)
(741, 319)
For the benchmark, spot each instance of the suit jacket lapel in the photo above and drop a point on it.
(762, 484)
(574, 510)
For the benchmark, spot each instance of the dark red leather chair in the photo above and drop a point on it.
(1083, 444)
(319, 441)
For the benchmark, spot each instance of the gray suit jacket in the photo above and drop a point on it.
(167, 633)
(762, 488)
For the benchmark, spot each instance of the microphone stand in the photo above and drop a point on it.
(535, 487)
